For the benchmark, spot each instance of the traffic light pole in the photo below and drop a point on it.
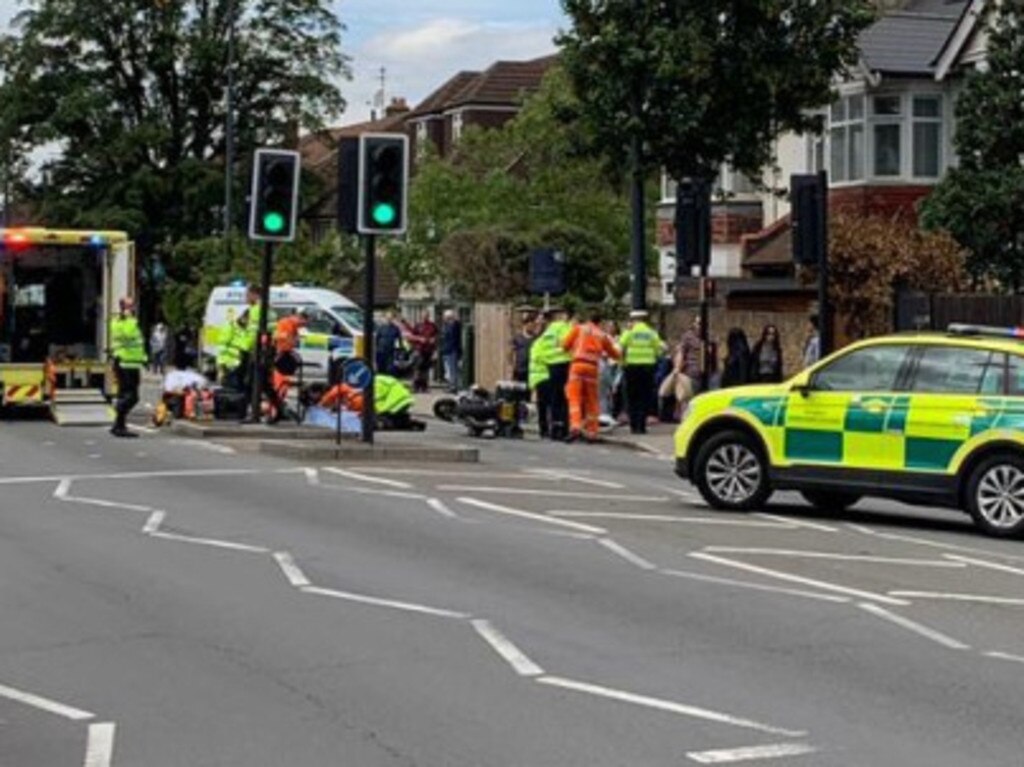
(369, 330)
(263, 362)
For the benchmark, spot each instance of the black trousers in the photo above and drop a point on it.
(559, 402)
(639, 395)
(127, 394)
(544, 408)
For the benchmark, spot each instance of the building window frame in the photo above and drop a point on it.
(846, 151)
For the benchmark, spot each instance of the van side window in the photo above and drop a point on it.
(321, 322)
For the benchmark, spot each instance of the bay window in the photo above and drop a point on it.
(927, 136)
(887, 124)
(846, 135)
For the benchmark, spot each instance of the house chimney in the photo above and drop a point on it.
(398, 106)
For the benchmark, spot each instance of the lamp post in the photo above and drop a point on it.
(229, 128)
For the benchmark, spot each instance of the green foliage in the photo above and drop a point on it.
(704, 82)
(203, 264)
(519, 181)
(981, 202)
(131, 92)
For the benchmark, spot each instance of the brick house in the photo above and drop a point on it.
(486, 99)
(887, 139)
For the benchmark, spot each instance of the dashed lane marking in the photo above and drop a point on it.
(630, 556)
(754, 586)
(951, 597)
(671, 518)
(750, 753)
(918, 628)
(395, 605)
(153, 523)
(44, 704)
(1004, 656)
(439, 506)
(575, 526)
(669, 706)
(552, 493)
(99, 750)
(360, 477)
(933, 544)
(783, 576)
(291, 571)
(796, 554)
(312, 476)
(511, 654)
(798, 523)
(985, 564)
(212, 542)
(576, 477)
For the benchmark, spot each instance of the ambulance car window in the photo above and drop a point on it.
(1016, 373)
(994, 382)
(951, 370)
(874, 368)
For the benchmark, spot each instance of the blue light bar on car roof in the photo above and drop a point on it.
(985, 330)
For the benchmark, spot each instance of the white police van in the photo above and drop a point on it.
(335, 322)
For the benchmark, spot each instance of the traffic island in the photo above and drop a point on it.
(383, 451)
(250, 431)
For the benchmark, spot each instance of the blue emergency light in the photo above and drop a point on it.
(959, 329)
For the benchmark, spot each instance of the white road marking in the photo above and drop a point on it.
(217, 544)
(576, 477)
(512, 655)
(669, 706)
(918, 628)
(438, 505)
(381, 493)
(750, 754)
(682, 493)
(783, 576)
(312, 476)
(552, 493)
(796, 554)
(755, 586)
(95, 456)
(1004, 656)
(798, 523)
(366, 600)
(44, 704)
(860, 528)
(576, 526)
(291, 570)
(979, 598)
(103, 503)
(669, 518)
(63, 488)
(464, 474)
(99, 751)
(983, 563)
(366, 478)
(143, 429)
(629, 556)
(35, 480)
(935, 544)
(211, 447)
(153, 523)
(90, 442)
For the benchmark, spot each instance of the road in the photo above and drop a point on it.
(168, 603)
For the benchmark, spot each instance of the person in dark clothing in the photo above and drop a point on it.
(451, 350)
(766, 358)
(737, 360)
(387, 343)
(425, 344)
(521, 350)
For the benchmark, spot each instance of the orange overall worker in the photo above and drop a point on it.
(286, 361)
(351, 399)
(587, 343)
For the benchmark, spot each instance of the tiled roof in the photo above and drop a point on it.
(908, 42)
(502, 84)
(440, 99)
(317, 148)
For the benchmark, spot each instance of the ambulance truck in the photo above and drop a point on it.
(58, 290)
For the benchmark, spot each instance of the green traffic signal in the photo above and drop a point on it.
(384, 214)
(273, 222)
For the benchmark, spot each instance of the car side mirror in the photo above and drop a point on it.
(802, 386)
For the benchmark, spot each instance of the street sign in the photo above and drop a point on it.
(358, 375)
(547, 272)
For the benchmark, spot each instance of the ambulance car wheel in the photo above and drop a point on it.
(731, 472)
(828, 500)
(995, 495)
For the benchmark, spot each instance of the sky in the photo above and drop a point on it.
(421, 43)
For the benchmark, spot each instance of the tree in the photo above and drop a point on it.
(128, 97)
(704, 83)
(981, 202)
(870, 256)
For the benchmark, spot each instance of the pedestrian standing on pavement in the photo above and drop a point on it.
(387, 343)
(766, 358)
(641, 346)
(451, 350)
(587, 343)
(158, 348)
(812, 346)
(425, 343)
(558, 360)
(737, 360)
(128, 353)
(232, 357)
(520, 352)
(539, 378)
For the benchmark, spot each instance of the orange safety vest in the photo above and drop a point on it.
(351, 399)
(286, 336)
(588, 343)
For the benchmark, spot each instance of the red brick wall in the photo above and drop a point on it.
(885, 201)
(727, 227)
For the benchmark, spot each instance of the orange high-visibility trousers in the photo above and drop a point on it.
(584, 401)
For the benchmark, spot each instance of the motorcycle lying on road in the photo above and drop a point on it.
(501, 414)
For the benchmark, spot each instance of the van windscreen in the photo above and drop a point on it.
(350, 315)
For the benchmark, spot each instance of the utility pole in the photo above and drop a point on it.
(229, 129)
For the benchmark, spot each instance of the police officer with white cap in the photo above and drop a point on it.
(641, 347)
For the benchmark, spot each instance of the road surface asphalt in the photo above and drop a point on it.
(171, 603)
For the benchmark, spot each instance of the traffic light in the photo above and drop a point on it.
(809, 195)
(693, 225)
(275, 195)
(383, 183)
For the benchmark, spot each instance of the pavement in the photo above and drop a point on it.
(169, 602)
